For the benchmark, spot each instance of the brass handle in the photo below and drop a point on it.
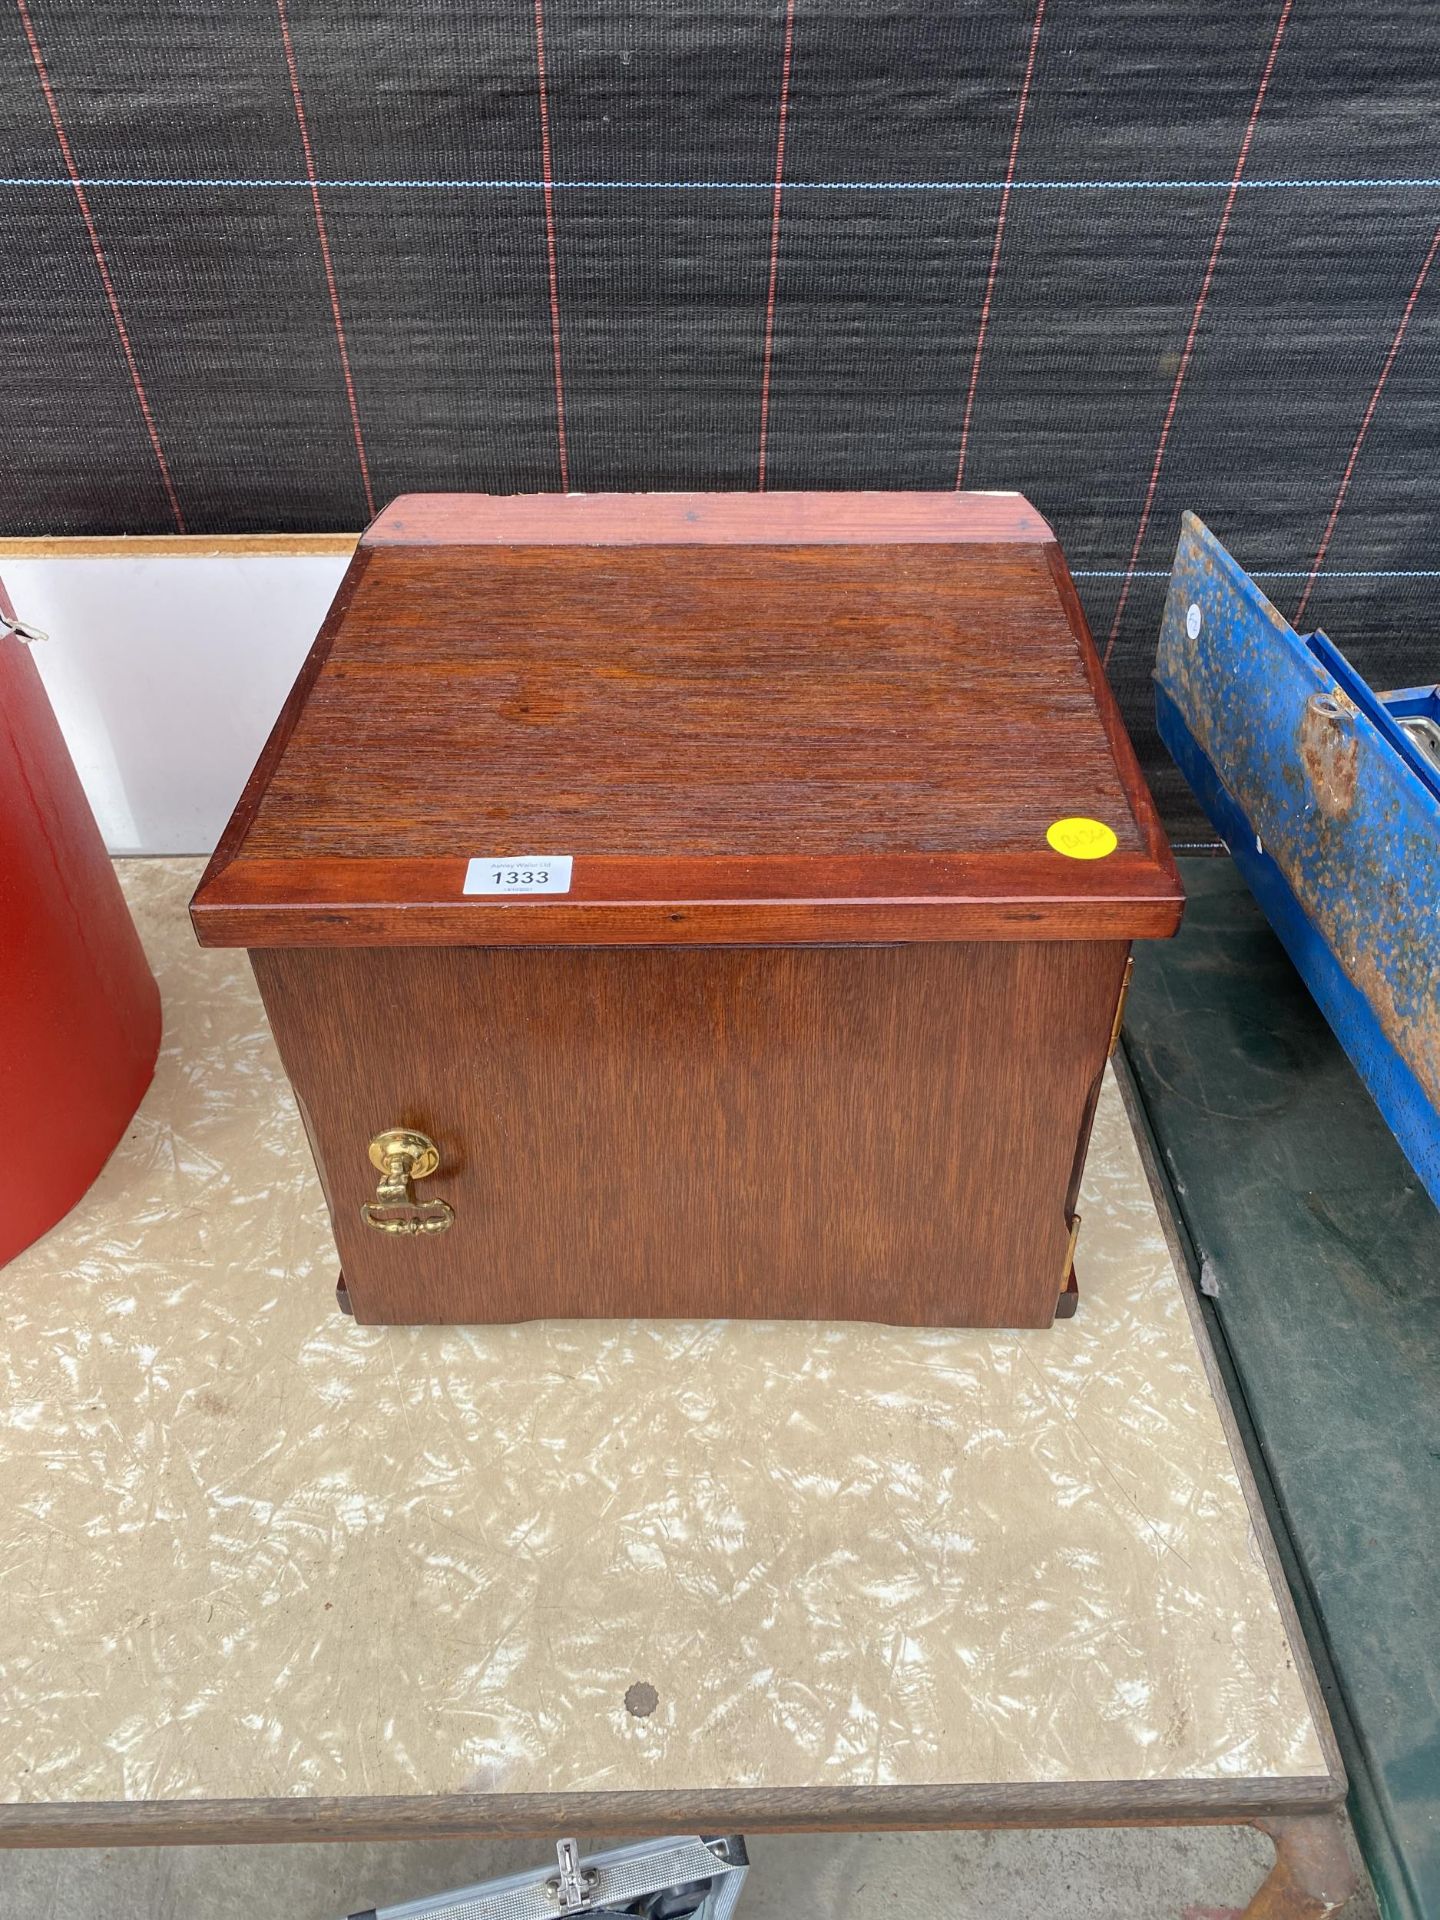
(402, 1156)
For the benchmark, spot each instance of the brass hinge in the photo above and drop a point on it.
(1070, 1249)
(1120, 1007)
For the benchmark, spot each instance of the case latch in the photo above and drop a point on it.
(574, 1884)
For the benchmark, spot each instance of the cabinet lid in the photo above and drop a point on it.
(656, 719)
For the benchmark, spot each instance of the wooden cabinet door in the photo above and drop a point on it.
(867, 1133)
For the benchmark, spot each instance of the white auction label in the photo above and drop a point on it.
(520, 873)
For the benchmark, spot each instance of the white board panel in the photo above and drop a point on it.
(166, 674)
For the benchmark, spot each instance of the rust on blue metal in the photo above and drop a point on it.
(1328, 797)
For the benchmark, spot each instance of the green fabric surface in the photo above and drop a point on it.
(1321, 1253)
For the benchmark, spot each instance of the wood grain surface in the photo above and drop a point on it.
(701, 702)
(677, 519)
(636, 902)
(761, 736)
(876, 1133)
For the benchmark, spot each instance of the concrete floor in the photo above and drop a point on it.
(1168, 1873)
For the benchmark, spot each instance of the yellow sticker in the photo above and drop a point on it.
(1081, 839)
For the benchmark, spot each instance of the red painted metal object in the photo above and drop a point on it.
(79, 1008)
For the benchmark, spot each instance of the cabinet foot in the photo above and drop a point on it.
(1069, 1300)
(1312, 1875)
(342, 1297)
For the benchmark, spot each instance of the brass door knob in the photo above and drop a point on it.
(403, 1156)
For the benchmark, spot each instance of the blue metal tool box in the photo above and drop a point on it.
(1328, 797)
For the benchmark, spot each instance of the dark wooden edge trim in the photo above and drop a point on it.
(1081, 1803)
(1038, 877)
(261, 773)
(1142, 804)
(725, 519)
(1180, 1253)
(637, 901)
(697, 924)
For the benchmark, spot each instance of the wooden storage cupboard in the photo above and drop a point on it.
(665, 905)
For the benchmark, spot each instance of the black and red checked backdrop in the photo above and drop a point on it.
(270, 262)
